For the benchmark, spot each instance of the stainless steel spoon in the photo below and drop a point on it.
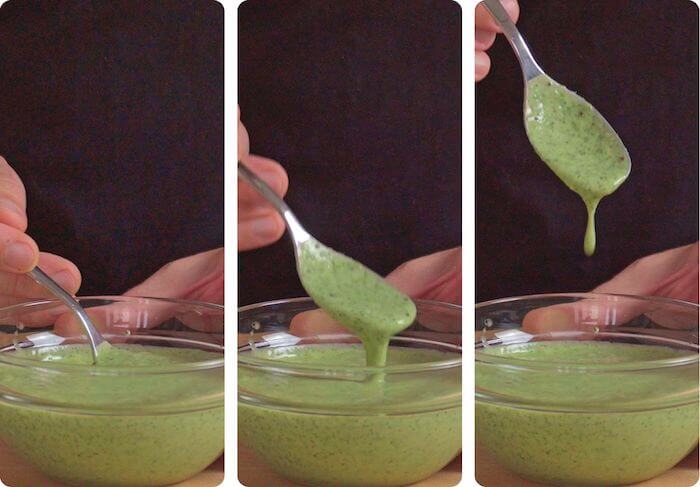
(608, 170)
(96, 339)
(298, 233)
(529, 66)
(351, 293)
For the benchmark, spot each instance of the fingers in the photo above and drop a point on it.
(315, 322)
(437, 277)
(659, 274)
(484, 21)
(243, 140)
(258, 223)
(118, 318)
(671, 274)
(260, 231)
(18, 252)
(269, 171)
(115, 318)
(483, 39)
(13, 202)
(585, 315)
(485, 35)
(482, 65)
(61, 270)
(197, 277)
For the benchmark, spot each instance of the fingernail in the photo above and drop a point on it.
(19, 256)
(64, 279)
(265, 227)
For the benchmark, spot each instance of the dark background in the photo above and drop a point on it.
(112, 114)
(637, 62)
(361, 103)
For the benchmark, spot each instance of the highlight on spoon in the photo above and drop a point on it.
(94, 337)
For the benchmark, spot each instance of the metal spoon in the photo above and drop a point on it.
(96, 339)
(351, 293)
(298, 233)
(528, 64)
(607, 171)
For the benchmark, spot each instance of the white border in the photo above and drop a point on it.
(231, 237)
(468, 241)
(468, 236)
(231, 241)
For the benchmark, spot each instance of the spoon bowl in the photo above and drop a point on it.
(575, 141)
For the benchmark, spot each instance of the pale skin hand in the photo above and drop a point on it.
(198, 277)
(258, 223)
(19, 253)
(669, 274)
(485, 35)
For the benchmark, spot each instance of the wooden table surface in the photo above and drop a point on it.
(252, 473)
(15, 473)
(490, 474)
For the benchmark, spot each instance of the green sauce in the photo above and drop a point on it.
(355, 296)
(338, 429)
(577, 143)
(587, 428)
(112, 430)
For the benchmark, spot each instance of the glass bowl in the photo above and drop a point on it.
(151, 413)
(324, 425)
(586, 389)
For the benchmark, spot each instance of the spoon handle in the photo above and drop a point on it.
(93, 335)
(295, 229)
(528, 64)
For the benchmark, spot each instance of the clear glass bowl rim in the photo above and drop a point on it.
(525, 364)
(300, 368)
(55, 367)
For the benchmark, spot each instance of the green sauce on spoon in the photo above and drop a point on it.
(355, 296)
(577, 143)
(350, 292)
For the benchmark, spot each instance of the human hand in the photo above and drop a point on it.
(436, 277)
(258, 222)
(199, 277)
(670, 274)
(19, 253)
(485, 34)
